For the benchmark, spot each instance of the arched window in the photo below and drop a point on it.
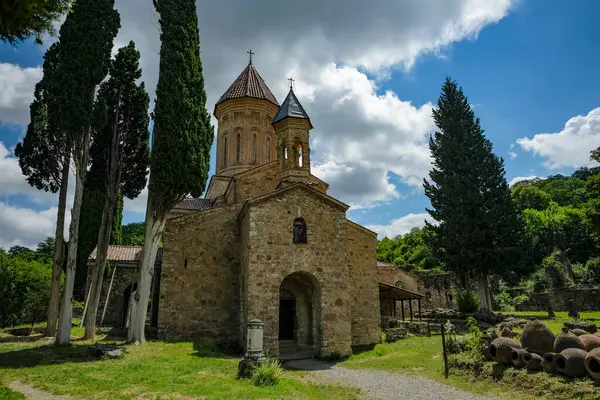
(399, 284)
(225, 150)
(299, 231)
(254, 148)
(299, 156)
(238, 149)
(268, 148)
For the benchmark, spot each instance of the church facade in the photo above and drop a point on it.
(267, 241)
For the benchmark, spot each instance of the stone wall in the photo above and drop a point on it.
(256, 182)
(199, 284)
(437, 290)
(584, 299)
(364, 289)
(320, 264)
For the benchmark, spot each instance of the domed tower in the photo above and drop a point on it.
(292, 126)
(245, 137)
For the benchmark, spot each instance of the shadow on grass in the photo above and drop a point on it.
(215, 349)
(45, 355)
(20, 339)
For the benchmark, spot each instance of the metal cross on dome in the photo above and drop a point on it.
(251, 53)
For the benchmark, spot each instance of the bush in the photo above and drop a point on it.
(267, 373)
(467, 301)
(593, 270)
(7, 394)
(454, 344)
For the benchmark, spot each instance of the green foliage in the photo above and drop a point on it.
(467, 301)
(133, 234)
(593, 270)
(530, 196)
(25, 279)
(29, 18)
(454, 344)
(267, 373)
(480, 233)
(7, 394)
(507, 300)
(555, 268)
(474, 340)
(183, 133)
(409, 250)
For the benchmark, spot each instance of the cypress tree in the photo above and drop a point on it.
(181, 139)
(44, 156)
(124, 138)
(86, 41)
(478, 229)
(25, 18)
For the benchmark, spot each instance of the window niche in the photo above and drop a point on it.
(225, 150)
(299, 231)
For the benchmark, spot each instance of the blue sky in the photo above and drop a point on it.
(528, 67)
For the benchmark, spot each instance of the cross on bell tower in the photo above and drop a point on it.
(251, 53)
(292, 80)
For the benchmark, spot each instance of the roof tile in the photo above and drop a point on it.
(248, 84)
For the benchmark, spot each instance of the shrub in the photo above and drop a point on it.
(7, 394)
(467, 301)
(593, 270)
(267, 373)
(454, 344)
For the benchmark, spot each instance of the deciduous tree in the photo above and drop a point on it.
(181, 141)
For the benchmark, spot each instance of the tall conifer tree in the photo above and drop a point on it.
(86, 41)
(44, 157)
(181, 141)
(478, 229)
(124, 138)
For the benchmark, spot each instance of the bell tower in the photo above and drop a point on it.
(292, 126)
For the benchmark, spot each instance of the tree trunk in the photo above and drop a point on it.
(81, 154)
(59, 243)
(139, 298)
(484, 300)
(112, 181)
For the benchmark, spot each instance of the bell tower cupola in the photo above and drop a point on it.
(245, 136)
(292, 126)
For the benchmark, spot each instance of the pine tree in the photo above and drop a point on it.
(86, 41)
(124, 138)
(26, 18)
(478, 229)
(44, 157)
(181, 141)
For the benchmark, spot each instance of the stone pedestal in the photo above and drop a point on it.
(254, 349)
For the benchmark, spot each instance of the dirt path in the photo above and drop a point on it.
(384, 385)
(32, 393)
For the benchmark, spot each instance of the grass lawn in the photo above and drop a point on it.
(183, 370)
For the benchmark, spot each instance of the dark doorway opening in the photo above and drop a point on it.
(287, 318)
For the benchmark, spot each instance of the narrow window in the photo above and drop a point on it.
(299, 231)
(254, 148)
(299, 155)
(225, 151)
(268, 148)
(284, 151)
(238, 151)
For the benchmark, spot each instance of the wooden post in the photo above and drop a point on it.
(444, 351)
(410, 309)
(402, 304)
(419, 302)
(112, 278)
(395, 312)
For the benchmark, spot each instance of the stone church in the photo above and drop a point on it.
(266, 242)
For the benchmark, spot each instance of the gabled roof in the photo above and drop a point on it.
(248, 84)
(292, 108)
(119, 253)
(191, 204)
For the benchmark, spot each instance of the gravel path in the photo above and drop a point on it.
(384, 385)
(32, 393)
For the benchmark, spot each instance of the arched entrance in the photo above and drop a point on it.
(299, 316)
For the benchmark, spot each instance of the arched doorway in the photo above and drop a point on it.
(126, 296)
(299, 315)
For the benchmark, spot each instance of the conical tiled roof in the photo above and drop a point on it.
(291, 107)
(248, 84)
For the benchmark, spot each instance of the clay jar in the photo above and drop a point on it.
(548, 362)
(501, 348)
(571, 362)
(532, 361)
(592, 363)
(590, 341)
(516, 357)
(567, 340)
(537, 338)
(579, 332)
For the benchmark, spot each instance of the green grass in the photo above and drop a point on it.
(181, 370)
(7, 394)
(556, 324)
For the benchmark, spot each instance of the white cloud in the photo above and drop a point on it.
(570, 147)
(137, 205)
(26, 227)
(16, 92)
(521, 179)
(401, 225)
